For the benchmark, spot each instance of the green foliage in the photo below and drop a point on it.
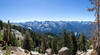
(66, 39)
(88, 44)
(5, 38)
(1, 36)
(39, 42)
(7, 50)
(44, 44)
(42, 47)
(54, 46)
(73, 43)
(59, 43)
(1, 25)
(40, 50)
(28, 43)
(37, 49)
(36, 39)
(20, 29)
(13, 40)
(82, 44)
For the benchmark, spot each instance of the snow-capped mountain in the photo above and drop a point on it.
(56, 27)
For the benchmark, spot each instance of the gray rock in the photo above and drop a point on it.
(17, 33)
(34, 53)
(49, 51)
(64, 51)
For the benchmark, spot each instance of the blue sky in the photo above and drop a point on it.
(53, 10)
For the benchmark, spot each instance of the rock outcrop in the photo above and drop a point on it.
(34, 53)
(49, 52)
(64, 51)
(17, 33)
(88, 52)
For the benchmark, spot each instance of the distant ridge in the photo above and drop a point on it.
(56, 27)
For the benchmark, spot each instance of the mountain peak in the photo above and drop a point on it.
(57, 26)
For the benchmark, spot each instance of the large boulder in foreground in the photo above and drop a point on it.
(64, 51)
(49, 51)
(88, 52)
(34, 53)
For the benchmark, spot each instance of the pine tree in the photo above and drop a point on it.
(54, 46)
(82, 42)
(28, 43)
(66, 39)
(96, 8)
(5, 36)
(1, 25)
(44, 43)
(73, 43)
(8, 34)
(13, 40)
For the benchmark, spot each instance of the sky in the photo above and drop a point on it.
(45, 10)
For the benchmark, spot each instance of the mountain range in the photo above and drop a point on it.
(57, 27)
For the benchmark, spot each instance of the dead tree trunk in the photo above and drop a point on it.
(8, 32)
(98, 32)
(97, 5)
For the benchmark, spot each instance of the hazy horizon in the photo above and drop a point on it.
(49, 20)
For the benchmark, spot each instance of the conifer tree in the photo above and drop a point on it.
(13, 40)
(82, 42)
(5, 36)
(28, 43)
(66, 39)
(54, 46)
(44, 43)
(1, 25)
(96, 8)
(73, 43)
(7, 33)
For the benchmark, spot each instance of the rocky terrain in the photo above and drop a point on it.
(26, 37)
(62, 51)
